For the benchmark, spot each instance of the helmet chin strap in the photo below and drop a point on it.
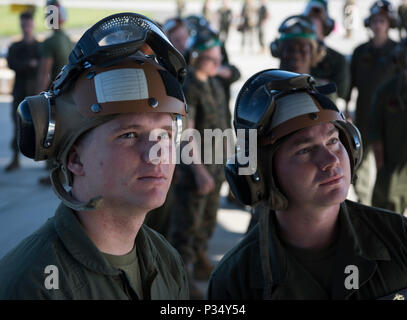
(67, 197)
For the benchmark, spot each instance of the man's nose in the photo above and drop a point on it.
(156, 152)
(327, 159)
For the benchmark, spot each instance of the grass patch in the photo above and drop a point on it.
(77, 18)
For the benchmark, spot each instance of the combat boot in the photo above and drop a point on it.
(202, 267)
(13, 165)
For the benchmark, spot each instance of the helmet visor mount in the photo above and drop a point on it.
(118, 36)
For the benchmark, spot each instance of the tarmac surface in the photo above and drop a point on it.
(25, 205)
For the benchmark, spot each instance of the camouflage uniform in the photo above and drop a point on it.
(194, 215)
(388, 121)
(370, 67)
(333, 68)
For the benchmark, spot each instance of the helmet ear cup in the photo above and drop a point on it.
(275, 48)
(248, 189)
(329, 25)
(25, 130)
(32, 123)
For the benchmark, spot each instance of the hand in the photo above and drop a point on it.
(204, 181)
(224, 72)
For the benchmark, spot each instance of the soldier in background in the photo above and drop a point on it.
(263, 16)
(297, 46)
(54, 55)
(389, 139)
(197, 189)
(180, 8)
(23, 57)
(225, 20)
(350, 11)
(371, 65)
(248, 23)
(333, 67)
(177, 31)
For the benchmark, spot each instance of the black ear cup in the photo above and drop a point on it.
(275, 48)
(25, 130)
(329, 26)
(238, 184)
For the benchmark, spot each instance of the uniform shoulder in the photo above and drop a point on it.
(334, 53)
(22, 270)
(245, 248)
(362, 47)
(383, 219)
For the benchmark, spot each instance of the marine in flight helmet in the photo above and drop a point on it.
(278, 103)
(383, 7)
(298, 27)
(122, 64)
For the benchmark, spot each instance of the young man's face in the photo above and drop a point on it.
(380, 25)
(27, 26)
(117, 165)
(313, 168)
(210, 60)
(296, 55)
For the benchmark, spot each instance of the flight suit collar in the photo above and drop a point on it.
(358, 245)
(81, 247)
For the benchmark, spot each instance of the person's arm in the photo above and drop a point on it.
(203, 179)
(228, 73)
(44, 73)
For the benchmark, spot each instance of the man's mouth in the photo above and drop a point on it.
(331, 181)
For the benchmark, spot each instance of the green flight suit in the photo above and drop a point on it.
(83, 271)
(370, 239)
(388, 126)
(370, 67)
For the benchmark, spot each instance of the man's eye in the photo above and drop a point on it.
(304, 151)
(334, 141)
(129, 135)
(165, 135)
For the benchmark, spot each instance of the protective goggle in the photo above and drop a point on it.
(296, 26)
(255, 105)
(258, 98)
(118, 36)
(381, 6)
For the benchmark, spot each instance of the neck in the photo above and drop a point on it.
(201, 75)
(308, 228)
(28, 38)
(379, 41)
(113, 231)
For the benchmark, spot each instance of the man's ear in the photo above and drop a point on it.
(74, 162)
